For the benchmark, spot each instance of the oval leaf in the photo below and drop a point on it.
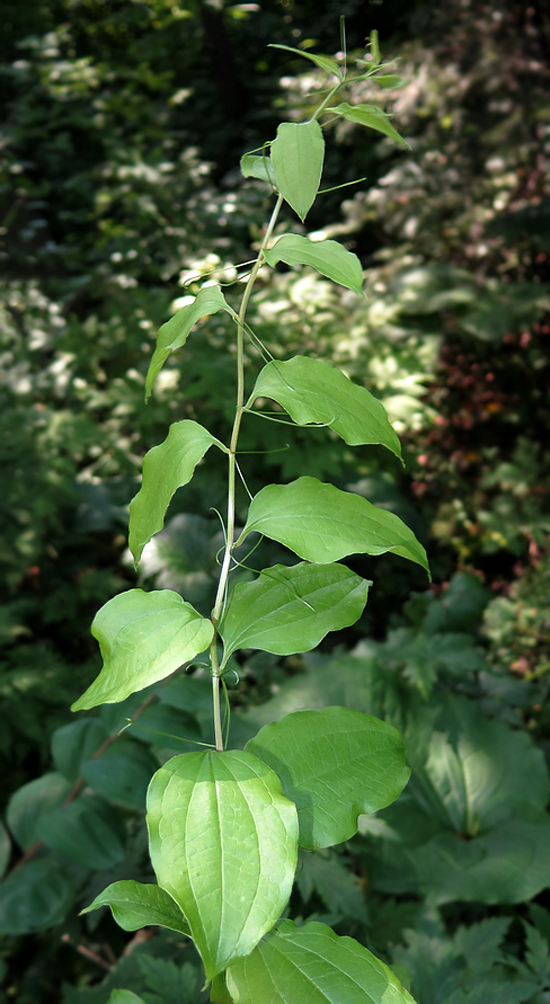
(325, 62)
(335, 765)
(223, 843)
(121, 774)
(173, 334)
(370, 116)
(312, 964)
(297, 156)
(322, 523)
(165, 469)
(34, 898)
(87, 831)
(143, 638)
(76, 742)
(313, 391)
(30, 802)
(329, 258)
(291, 609)
(135, 905)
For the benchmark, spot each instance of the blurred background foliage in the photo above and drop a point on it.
(123, 123)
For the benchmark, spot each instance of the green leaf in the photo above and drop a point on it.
(124, 997)
(297, 156)
(30, 802)
(76, 742)
(121, 774)
(313, 391)
(291, 609)
(392, 80)
(135, 905)
(325, 62)
(329, 258)
(370, 116)
(257, 166)
(173, 334)
(87, 831)
(165, 469)
(223, 843)
(321, 523)
(337, 886)
(34, 898)
(314, 965)
(5, 849)
(335, 765)
(143, 638)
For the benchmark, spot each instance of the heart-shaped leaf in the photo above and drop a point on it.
(314, 965)
(329, 258)
(370, 116)
(135, 905)
(313, 391)
(335, 765)
(165, 469)
(291, 609)
(322, 523)
(223, 842)
(297, 156)
(143, 638)
(173, 334)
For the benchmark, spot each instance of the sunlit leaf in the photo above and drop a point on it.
(257, 166)
(173, 334)
(143, 638)
(370, 116)
(135, 905)
(223, 842)
(165, 469)
(335, 765)
(312, 964)
(322, 523)
(313, 391)
(297, 156)
(291, 609)
(330, 258)
(325, 62)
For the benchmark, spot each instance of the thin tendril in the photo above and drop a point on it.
(241, 475)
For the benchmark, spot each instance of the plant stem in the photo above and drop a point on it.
(231, 481)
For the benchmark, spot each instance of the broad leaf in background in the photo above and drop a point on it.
(225, 809)
(371, 116)
(324, 62)
(125, 997)
(340, 890)
(390, 80)
(165, 469)
(291, 609)
(75, 742)
(121, 774)
(321, 523)
(297, 156)
(34, 898)
(33, 800)
(135, 905)
(143, 638)
(257, 166)
(335, 765)
(5, 849)
(313, 391)
(88, 832)
(328, 257)
(312, 964)
(173, 334)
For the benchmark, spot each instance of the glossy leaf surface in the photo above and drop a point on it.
(324, 62)
(135, 905)
(370, 116)
(312, 964)
(330, 258)
(297, 156)
(34, 898)
(174, 333)
(322, 523)
(143, 638)
(335, 765)
(223, 843)
(291, 609)
(165, 469)
(313, 391)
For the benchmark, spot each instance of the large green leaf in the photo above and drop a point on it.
(314, 965)
(297, 156)
(329, 258)
(291, 609)
(35, 897)
(173, 334)
(121, 774)
(335, 765)
(313, 391)
(321, 523)
(223, 842)
(30, 802)
(371, 116)
(76, 742)
(135, 905)
(165, 469)
(87, 831)
(143, 638)
(324, 62)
